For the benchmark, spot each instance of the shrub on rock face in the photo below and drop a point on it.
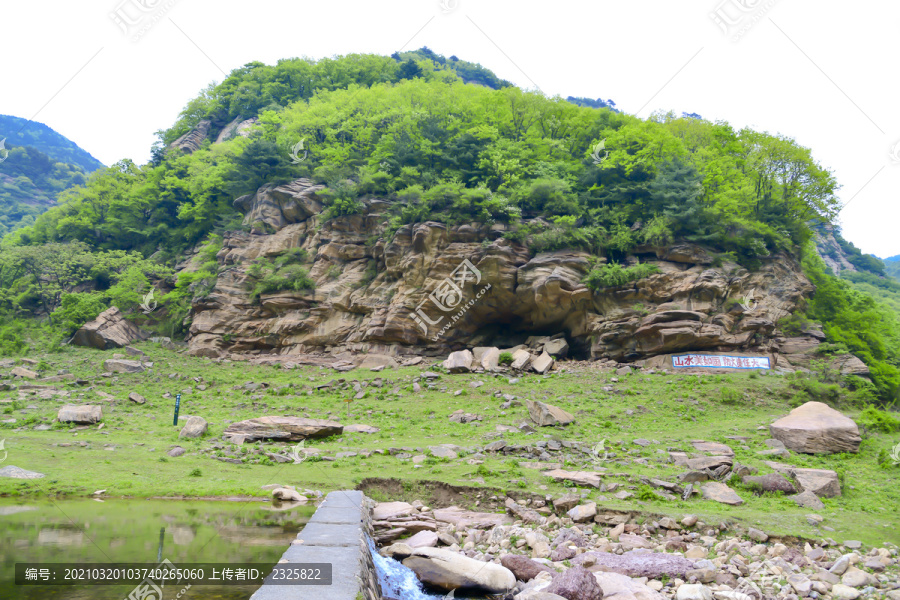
(613, 274)
(506, 358)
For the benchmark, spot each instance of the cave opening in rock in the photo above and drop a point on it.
(513, 331)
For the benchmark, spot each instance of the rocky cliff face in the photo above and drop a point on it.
(388, 295)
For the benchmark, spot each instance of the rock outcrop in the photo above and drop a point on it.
(108, 330)
(432, 289)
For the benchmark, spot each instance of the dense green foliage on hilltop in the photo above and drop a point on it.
(408, 129)
(22, 132)
(30, 182)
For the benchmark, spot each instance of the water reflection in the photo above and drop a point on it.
(141, 531)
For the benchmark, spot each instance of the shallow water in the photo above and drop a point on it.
(141, 531)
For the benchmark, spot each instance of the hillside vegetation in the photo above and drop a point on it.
(22, 132)
(408, 129)
(30, 182)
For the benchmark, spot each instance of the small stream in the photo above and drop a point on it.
(396, 580)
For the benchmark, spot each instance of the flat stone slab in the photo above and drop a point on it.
(329, 534)
(721, 493)
(337, 515)
(343, 499)
(19, 473)
(343, 579)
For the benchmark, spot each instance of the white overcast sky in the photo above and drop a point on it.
(816, 71)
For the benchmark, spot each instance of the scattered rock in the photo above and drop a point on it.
(590, 478)
(583, 512)
(23, 373)
(360, 429)
(547, 414)
(808, 500)
(136, 398)
(773, 482)
(286, 494)
(176, 452)
(523, 567)
(521, 359)
(693, 591)
(637, 563)
(423, 539)
(116, 365)
(375, 361)
(576, 583)
(194, 428)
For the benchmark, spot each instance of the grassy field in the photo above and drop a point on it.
(127, 456)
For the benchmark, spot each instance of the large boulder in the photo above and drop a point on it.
(82, 414)
(448, 570)
(108, 330)
(287, 429)
(194, 428)
(542, 363)
(459, 362)
(547, 414)
(490, 359)
(521, 359)
(816, 428)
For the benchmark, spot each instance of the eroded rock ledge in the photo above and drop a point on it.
(368, 286)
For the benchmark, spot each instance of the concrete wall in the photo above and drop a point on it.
(335, 534)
